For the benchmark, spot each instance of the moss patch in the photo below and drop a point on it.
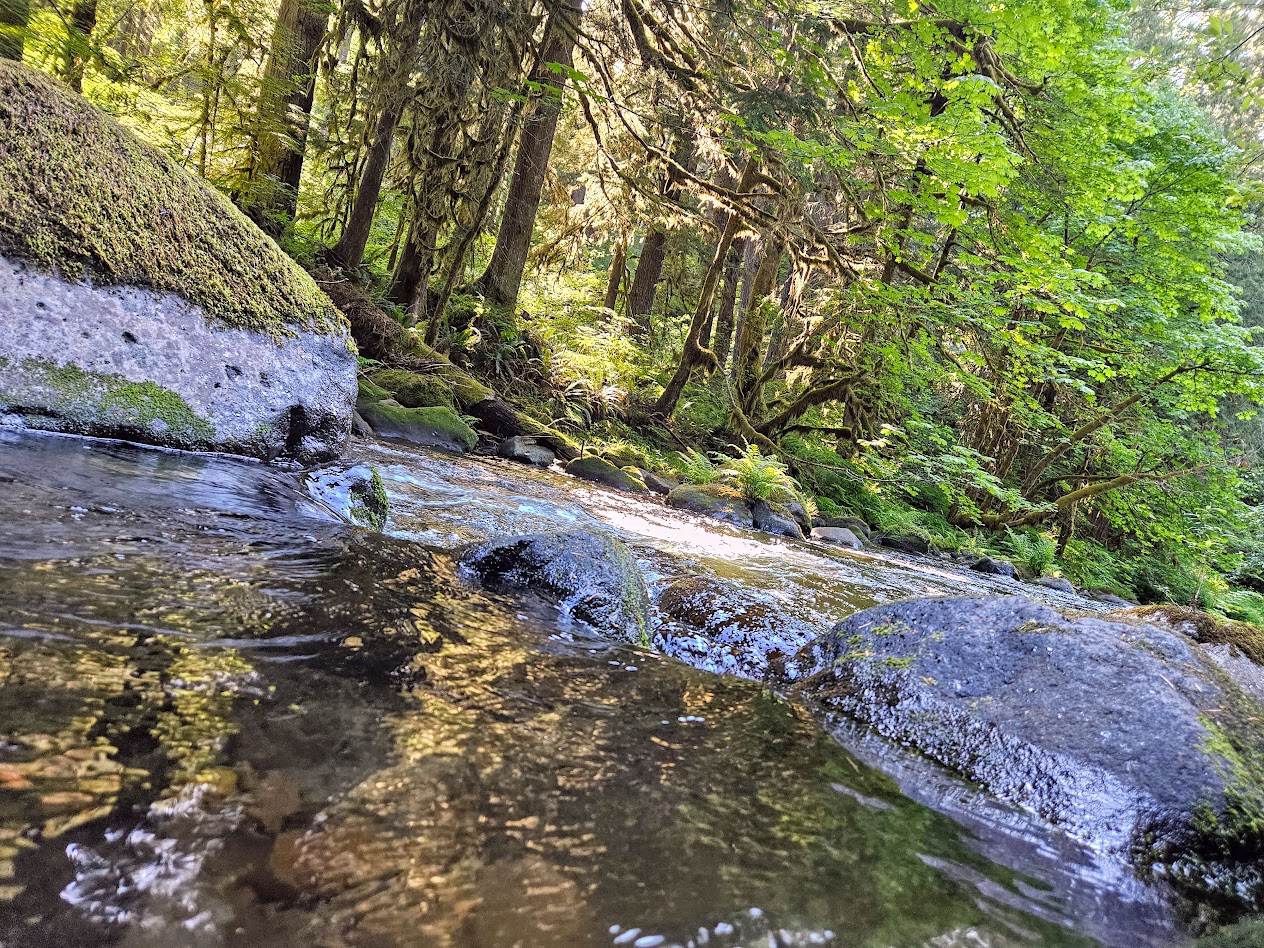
(82, 197)
(1208, 629)
(412, 389)
(439, 427)
(94, 398)
(369, 502)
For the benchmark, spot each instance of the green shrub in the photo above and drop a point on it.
(696, 468)
(1034, 551)
(757, 477)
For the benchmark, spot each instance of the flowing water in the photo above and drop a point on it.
(228, 718)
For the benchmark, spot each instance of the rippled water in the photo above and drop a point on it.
(226, 718)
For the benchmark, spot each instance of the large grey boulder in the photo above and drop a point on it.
(1126, 735)
(525, 450)
(840, 535)
(775, 519)
(590, 575)
(137, 303)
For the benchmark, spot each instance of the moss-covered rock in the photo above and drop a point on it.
(412, 389)
(712, 500)
(136, 302)
(624, 455)
(81, 196)
(437, 427)
(592, 468)
(357, 494)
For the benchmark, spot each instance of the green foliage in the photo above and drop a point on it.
(694, 467)
(757, 477)
(1035, 551)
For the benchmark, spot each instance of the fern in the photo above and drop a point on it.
(757, 477)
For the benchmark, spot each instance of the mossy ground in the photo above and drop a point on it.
(82, 197)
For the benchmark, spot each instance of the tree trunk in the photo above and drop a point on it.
(748, 356)
(618, 264)
(285, 105)
(14, 15)
(649, 270)
(83, 20)
(693, 354)
(503, 278)
(348, 253)
(728, 302)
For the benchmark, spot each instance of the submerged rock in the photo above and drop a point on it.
(137, 303)
(592, 576)
(524, 450)
(749, 629)
(839, 535)
(592, 468)
(355, 494)
(1124, 734)
(712, 500)
(775, 519)
(437, 427)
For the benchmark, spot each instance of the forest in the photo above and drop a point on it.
(986, 276)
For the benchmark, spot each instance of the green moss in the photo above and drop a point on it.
(370, 392)
(412, 389)
(440, 425)
(97, 398)
(624, 456)
(592, 468)
(1241, 764)
(82, 197)
(370, 505)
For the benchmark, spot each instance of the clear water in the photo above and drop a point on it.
(226, 718)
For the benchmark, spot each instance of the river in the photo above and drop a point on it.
(228, 718)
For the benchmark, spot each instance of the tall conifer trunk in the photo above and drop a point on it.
(503, 278)
(348, 253)
(285, 105)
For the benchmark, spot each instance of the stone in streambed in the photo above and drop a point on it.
(1056, 582)
(712, 500)
(592, 468)
(995, 567)
(593, 576)
(438, 427)
(137, 303)
(658, 483)
(356, 494)
(1126, 735)
(840, 535)
(775, 519)
(525, 450)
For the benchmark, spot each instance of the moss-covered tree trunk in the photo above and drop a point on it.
(14, 15)
(503, 278)
(694, 354)
(284, 110)
(348, 253)
(728, 302)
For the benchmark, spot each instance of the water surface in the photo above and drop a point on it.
(227, 718)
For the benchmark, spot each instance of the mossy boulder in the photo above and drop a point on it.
(136, 302)
(775, 519)
(712, 500)
(438, 427)
(624, 455)
(414, 390)
(591, 575)
(356, 494)
(1126, 735)
(592, 468)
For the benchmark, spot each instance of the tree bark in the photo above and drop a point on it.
(748, 355)
(83, 20)
(285, 105)
(649, 270)
(693, 354)
(348, 253)
(14, 15)
(503, 278)
(618, 264)
(728, 302)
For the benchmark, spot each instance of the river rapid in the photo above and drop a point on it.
(228, 718)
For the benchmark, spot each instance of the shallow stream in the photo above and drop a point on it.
(228, 718)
